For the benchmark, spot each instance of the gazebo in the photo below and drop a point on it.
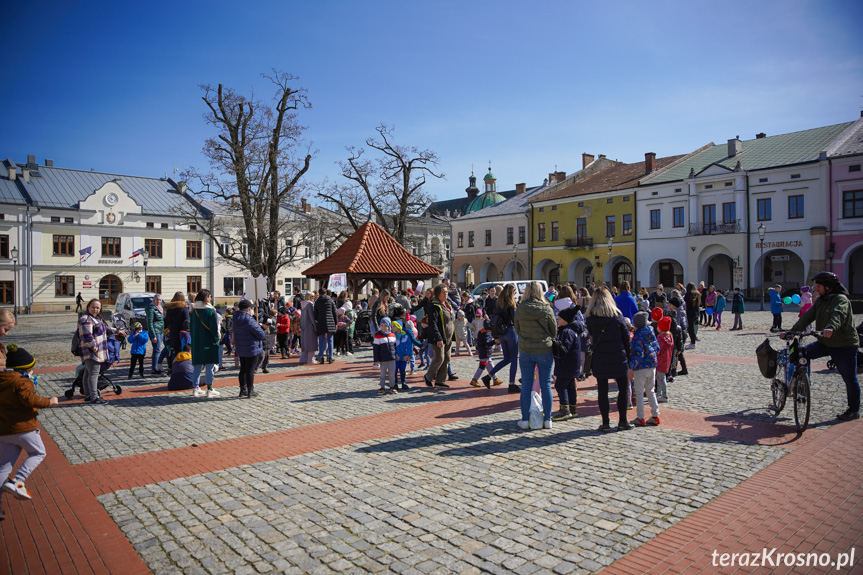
(372, 255)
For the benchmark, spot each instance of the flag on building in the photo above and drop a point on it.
(86, 252)
(136, 253)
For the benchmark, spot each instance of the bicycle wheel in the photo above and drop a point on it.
(777, 388)
(801, 401)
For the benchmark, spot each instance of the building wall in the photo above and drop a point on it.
(846, 234)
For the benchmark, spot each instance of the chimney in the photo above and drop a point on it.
(303, 203)
(13, 173)
(181, 187)
(31, 159)
(735, 146)
(520, 189)
(649, 161)
(552, 178)
(235, 201)
(49, 163)
(586, 159)
(560, 176)
(307, 207)
(761, 135)
(25, 174)
(602, 156)
(446, 213)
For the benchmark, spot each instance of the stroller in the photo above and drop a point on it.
(363, 327)
(104, 381)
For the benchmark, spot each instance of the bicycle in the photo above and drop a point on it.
(796, 373)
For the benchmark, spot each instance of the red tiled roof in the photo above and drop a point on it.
(372, 252)
(608, 180)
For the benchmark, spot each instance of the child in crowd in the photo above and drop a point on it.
(674, 305)
(138, 339)
(461, 334)
(425, 358)
(405, 342)
(805, 300)
(645, 348)
(663, 359)
(484, 344)
(384, 354)
(737, 308)
(718, 308)
(295, 331)
(283, 329)
(568, 365)
(410, 325)
(343, 326)
(181, 374)
(477, 324)
(19, 407)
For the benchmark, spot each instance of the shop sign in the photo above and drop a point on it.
(780, 244)
(110, 261)
(780, 258)
(738, 276)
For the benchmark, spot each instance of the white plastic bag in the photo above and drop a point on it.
(535, 414)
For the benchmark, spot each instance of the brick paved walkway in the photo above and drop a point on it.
(66, 529)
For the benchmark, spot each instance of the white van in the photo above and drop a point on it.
(133, 306)
(520, 286)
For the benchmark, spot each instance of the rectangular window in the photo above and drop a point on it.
(852, 204)
(69, 220)
(7, 292)
(488, 238)
(678, 190)
(625, 198)
(193, 250)
(708, 187)
(655, 222)
(627, 224)
(154, 247)
(64, 245)
(679, 220)
(765, 210)
(854, 168)
(151, 225)
(64, 286)
(729, 213)
(509, 236)
(233, 286)
(609, 226)
(762, 180)
(581, 229)
(110, 248)
(522, 234)
(728, 184)
(795, 176)
(4, 246)
(542, 209)
(540, 232)
(460, 243)
(470, 239)
(555, 231)
(193, 227)
(154, 284)
(553, 208)
(55, 219)
(609, 201)
(164, 226)
(708, 217)
(193, 285)
(795, 207)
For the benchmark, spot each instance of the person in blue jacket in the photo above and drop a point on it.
(249, 342)
(405, 343)
(776, 307)
(181, 374)
(626, 302)
(384, 354)
(138, 339)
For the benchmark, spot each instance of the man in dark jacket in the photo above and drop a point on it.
(325, 321)
(249, 341)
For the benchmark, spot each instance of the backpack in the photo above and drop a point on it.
(76, 344)
(498, 326)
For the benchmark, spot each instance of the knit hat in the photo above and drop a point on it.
(245, 304)
(676, 302)
(479, 313)
(656, 314)
(664, 324)
(486, 325)
(387, 322)
(567, 314)
(640, 319)
(18, 359)
(397, 326)
(136, 325)
(738, 289)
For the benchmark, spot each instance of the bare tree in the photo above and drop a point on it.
(257, 163)
(387, 187)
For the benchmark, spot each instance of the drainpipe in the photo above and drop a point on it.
(27, 240)
(529, 215)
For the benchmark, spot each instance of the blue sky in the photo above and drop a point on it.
(114, 86)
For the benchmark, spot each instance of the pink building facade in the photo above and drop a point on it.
(844, 240)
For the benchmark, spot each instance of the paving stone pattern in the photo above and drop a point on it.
(472, 495)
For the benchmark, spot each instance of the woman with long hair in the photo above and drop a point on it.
(505, 308)
(609, 337)
(93, 334)
(176, 324)
(204, 329)
(536, 328)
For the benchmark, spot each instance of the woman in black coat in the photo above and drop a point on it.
(611, 353)
(692, 299)
(176, 321)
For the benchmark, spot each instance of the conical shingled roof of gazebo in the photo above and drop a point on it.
(371, 252)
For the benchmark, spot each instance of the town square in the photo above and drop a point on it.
(430, 289)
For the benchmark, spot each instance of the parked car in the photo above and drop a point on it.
(520, 286)
(133, 306)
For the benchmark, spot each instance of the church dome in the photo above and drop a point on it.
(483, 201)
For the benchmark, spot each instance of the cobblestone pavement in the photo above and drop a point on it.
(464, 492)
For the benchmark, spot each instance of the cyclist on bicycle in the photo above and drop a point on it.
(832, 315)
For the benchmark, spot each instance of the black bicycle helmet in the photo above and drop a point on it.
(827, 279)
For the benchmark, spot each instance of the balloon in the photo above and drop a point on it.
(786, 300)
(795, 298)
(709, 311)
(656, 314)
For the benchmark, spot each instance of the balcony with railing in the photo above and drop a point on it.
(714, 228)
(578, 242)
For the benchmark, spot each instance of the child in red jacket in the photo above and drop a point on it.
(663, 360)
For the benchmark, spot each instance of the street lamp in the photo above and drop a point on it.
(610, 243)
(15, 283)
(146, 255)
(762, 229)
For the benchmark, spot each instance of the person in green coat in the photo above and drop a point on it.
(536, 329)
(156, 330)
(204, 329)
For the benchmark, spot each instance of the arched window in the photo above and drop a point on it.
(621, 272)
